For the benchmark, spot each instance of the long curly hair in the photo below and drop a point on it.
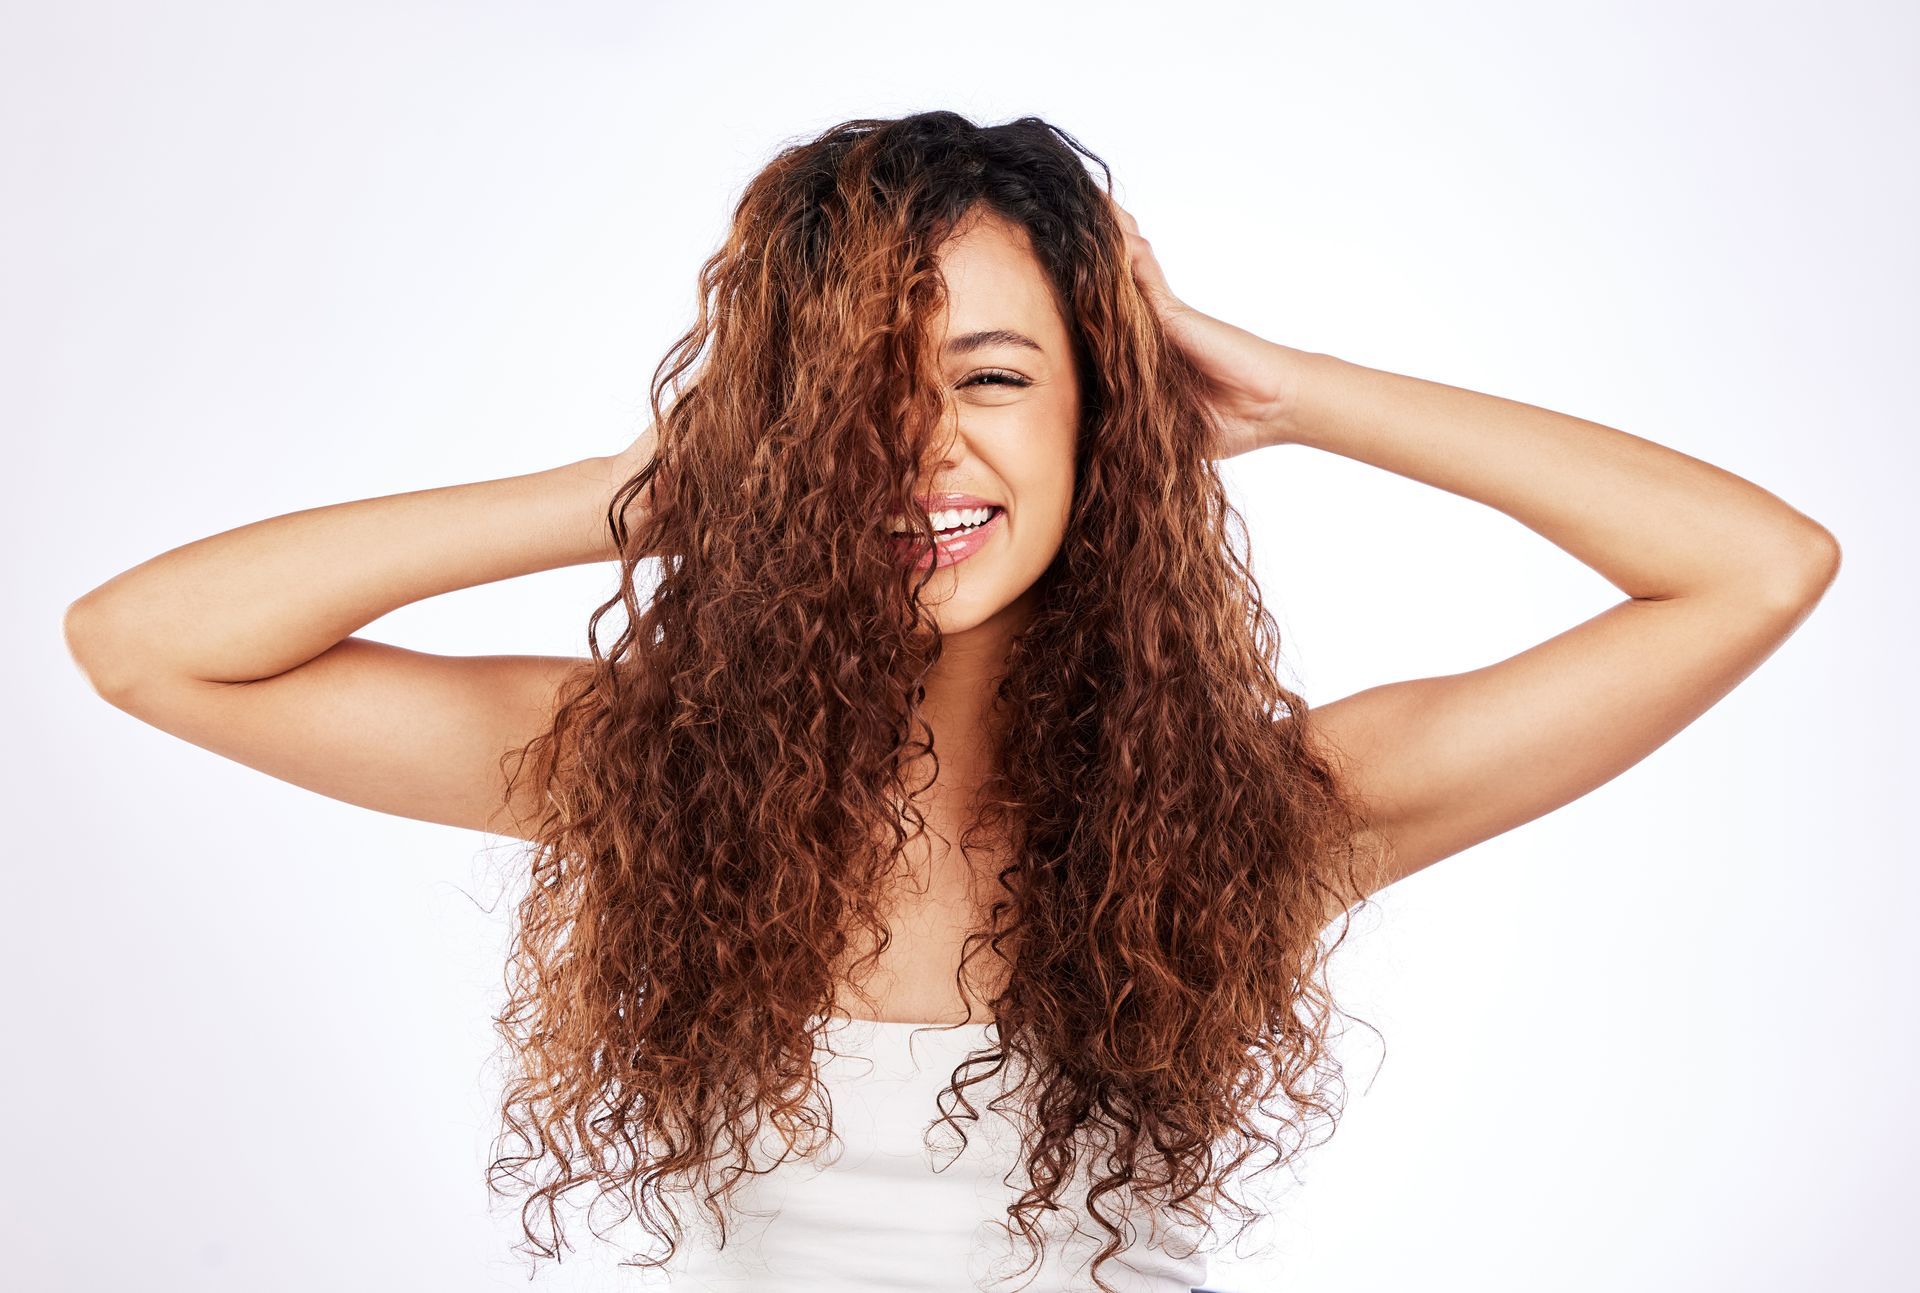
(729, 789)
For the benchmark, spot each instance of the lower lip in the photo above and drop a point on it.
(952, 551)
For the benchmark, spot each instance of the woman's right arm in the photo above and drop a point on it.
(240, 642)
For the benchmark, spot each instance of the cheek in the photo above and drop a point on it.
(1042, 524)
(1034, 460)
(1055, 501)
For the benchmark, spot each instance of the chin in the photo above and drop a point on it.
(968, 609)
(961, 616)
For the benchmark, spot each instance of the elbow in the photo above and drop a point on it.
(91, 644)
(1807, 568)
(1822, 557)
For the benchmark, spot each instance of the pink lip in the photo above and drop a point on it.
(954, 551)
(940, 502)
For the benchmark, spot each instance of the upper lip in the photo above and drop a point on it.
(943, 502)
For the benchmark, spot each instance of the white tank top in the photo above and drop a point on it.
(887, 1205)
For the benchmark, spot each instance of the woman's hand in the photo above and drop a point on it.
(617, 469)
(1251, 381)
(627, 463)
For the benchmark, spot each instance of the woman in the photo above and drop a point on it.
(949, 722)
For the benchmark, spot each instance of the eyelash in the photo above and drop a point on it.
(1011, 379)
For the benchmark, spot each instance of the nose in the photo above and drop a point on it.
(946, 448)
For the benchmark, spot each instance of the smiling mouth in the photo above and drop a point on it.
(993, 511)
(952, 545)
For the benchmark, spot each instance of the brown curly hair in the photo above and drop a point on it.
(728, 789)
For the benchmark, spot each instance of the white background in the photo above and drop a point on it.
(261, 257)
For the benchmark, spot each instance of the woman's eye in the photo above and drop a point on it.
(996, 377)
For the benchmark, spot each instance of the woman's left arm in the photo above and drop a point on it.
(1717, 571)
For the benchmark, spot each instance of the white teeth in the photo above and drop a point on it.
(948, 519)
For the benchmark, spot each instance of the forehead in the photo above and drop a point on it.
(994, 280)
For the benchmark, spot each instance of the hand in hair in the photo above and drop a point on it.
(622, 467)
(1251, 379)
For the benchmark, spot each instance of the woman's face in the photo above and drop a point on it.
(1013, 414)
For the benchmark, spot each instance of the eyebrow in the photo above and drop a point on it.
(967, 342)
